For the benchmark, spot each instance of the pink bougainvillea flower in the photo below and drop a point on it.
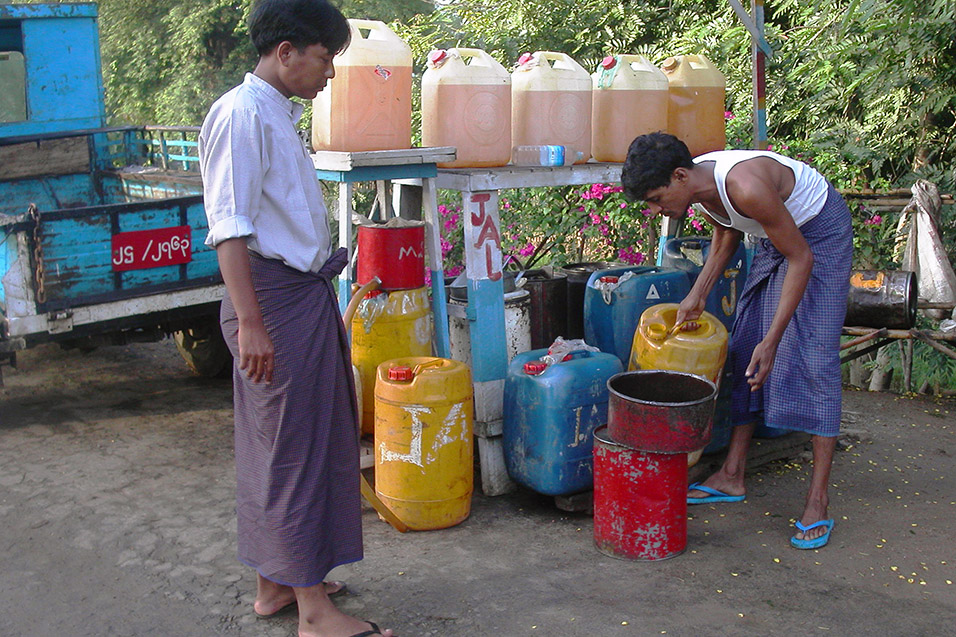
(631, 256)
(728, 115)
(875, 220)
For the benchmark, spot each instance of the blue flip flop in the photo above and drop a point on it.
(715, 495)
(816, 542)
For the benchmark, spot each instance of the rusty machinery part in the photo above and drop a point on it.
(39, 274)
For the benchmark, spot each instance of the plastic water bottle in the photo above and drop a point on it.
(544, 155)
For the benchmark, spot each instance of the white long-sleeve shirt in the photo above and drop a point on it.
(258, 179)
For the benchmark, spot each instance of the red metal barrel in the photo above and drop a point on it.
(661, 410)
(640, 501)
(395, 254)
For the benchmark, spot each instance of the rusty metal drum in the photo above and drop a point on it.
(882, 299)
(662, 411)
(640, 501)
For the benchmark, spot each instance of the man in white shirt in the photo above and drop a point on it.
(784, 350)
(297, 484)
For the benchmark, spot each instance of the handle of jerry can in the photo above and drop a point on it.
(372, 26)
(435, 362)
(578, 353)
(477, 56)
(559, 60)
(634, 58)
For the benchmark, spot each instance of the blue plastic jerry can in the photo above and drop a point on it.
(614, 300)
(690, 253)
(550, 414)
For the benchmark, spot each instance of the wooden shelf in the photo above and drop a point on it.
(482, 179)
(345, 161)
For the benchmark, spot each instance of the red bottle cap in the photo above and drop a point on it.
(401, 373)
(525, 58)
(535, 367)
(437, 55)
(609, 62)
(608, 279)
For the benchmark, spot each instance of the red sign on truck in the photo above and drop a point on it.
(143, 249)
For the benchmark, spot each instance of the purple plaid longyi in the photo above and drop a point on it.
(297, 466)
(804, 391)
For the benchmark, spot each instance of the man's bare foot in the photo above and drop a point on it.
(722, 482)
(814, 512)
(273, 598)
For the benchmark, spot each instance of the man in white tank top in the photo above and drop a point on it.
(791, 311)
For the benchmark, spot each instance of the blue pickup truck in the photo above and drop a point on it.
(101, 229)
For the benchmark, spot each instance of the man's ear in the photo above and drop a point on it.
(680, 174)
(283, 52)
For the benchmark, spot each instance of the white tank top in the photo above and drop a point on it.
(805, 201)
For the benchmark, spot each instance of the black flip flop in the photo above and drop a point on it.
(343, 588)
(369, 633)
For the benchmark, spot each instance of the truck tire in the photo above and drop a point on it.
(204, 349)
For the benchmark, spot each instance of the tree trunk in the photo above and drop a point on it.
(882, 373)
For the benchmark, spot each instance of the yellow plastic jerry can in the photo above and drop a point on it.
(424, 448)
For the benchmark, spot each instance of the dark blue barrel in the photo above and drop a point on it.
(690, 253)
(720, 436)
(610, 318)
(550, 415)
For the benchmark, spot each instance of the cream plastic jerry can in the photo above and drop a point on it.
(695, 112)
(466, 103)
(629, 97)
(551, 103)
(368, 104)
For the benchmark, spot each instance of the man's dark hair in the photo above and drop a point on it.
(301, 22)
(651, 160)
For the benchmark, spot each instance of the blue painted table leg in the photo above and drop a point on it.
(439, 311)
(436, 267)
(486, 315)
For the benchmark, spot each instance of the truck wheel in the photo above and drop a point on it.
(204, 350)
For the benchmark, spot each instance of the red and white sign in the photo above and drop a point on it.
(482, 237)
(144, 249)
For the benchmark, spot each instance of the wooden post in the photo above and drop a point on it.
(759, 79)
(906, 358)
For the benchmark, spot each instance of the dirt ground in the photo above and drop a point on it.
(116, 501)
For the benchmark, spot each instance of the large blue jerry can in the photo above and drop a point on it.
(612, 313)
(550, 414)
(690, 253)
